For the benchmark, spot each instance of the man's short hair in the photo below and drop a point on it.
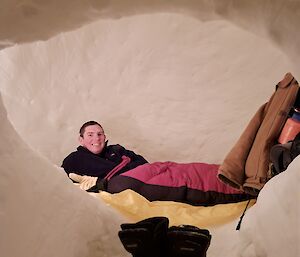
(86, 124)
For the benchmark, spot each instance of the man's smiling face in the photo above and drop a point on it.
(93, 139)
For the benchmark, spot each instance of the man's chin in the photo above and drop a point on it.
(95, 151)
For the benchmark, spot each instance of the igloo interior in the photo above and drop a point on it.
(173, 80)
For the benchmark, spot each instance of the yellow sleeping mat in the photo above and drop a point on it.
(135, 207)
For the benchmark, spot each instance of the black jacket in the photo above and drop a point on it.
(84, 162)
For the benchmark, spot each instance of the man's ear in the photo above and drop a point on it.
(80, 139)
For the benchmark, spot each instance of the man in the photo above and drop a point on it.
(94, 158)
(97, 166)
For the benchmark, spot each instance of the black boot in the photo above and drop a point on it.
(188, 241)
(146, 238)
(281, 155)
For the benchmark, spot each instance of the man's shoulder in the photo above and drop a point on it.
(70, 157)
(75, 153)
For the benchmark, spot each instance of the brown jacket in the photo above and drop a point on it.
(246, 166)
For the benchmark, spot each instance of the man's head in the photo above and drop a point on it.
(92, 137)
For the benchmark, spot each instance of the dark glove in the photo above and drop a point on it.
(146, 238)
(188, 241)
(281, 155)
